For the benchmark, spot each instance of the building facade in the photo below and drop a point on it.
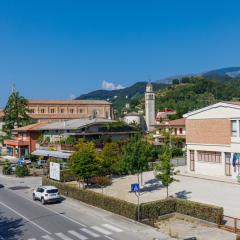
(150, 107)
(24, 140)
(213, 140)
(58, 110)
(177, 128)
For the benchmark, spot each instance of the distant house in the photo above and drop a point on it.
(213, 140)
(164, 115)
(54, 135)
(98, 129)
(24, 140)
(177, 129)
(134, 118)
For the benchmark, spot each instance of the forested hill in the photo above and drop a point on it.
(133, 91)
(183, 95)
(197, 92)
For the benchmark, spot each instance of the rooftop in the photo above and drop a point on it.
(31, 127)
(68, 102)
(75, 124)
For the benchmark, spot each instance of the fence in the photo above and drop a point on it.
(231, 224)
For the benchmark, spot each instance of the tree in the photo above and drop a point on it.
(15, 113)
(136, 155)
(109, 157)
(165, 170)
(83, 162)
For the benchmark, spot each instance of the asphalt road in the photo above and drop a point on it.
(22, 218)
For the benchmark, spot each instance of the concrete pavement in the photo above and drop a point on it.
(22, 218)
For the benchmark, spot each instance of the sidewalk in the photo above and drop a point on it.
(183, 172)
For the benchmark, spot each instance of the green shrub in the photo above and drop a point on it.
(202, 211)
(67, 176)
(22, 170)
(111, 204)
(6, 168)
(152, 210)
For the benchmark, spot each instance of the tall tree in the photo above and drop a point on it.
(109, 157)
(165, 170)
(15, 113)
(136, 155)
(83, 162)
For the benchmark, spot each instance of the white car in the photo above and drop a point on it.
(46, 194)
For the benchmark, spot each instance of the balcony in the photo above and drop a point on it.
(13, 142)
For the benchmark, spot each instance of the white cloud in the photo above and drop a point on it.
(111, 86)
(72, 96)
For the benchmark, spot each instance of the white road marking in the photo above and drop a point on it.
(109, 237)
(89, 232)
(77, 235)
(111, 227)
(70, 219)
(63, 236)
(27, 219)
(101, 230)
(47, 237)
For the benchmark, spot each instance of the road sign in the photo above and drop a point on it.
(135, 187)
(55, 171)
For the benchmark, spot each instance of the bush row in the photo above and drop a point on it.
(150, 210)
(111, 204)
(153, 210)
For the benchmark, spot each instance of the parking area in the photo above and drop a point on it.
(222, 194)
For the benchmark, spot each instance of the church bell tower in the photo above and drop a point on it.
(150, 107)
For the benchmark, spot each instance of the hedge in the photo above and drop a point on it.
(201, 211)
(111, 204)
(149, 210)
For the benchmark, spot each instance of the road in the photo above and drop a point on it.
(22, 218)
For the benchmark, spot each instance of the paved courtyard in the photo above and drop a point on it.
(222, 194)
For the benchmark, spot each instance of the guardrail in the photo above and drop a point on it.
(231, 224)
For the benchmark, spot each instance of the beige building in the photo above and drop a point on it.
(59, 110)
(213, 140)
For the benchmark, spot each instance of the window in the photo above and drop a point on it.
(234, 128)
(180, 130)
(71, 110)
(227, 164)
(19, 135)
(52, 110)
(31, 110)
(107, 115)
(25, 135)
(81, 110)
(42, 110)
(175, 131)
(213, 157)
(62, 110)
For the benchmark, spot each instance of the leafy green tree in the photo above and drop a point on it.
(15, 113)
(136, 155)
(22, 171)
(109, 158)
(164, 171)
(83, 162)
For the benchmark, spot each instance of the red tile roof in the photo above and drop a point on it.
(31, 127)
(177, 122)
(69, 102)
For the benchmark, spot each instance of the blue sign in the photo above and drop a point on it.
(135, 187)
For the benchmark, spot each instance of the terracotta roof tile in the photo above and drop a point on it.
(177, 122)
(31, 127)
(68, 102)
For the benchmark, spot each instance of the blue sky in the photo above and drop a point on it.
(61, 49)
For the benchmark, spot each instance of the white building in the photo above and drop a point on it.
(213, 140)
(150, 107)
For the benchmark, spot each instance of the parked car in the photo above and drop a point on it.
(41, 163)
(46, 194)
(23, 161)
(12, 167)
